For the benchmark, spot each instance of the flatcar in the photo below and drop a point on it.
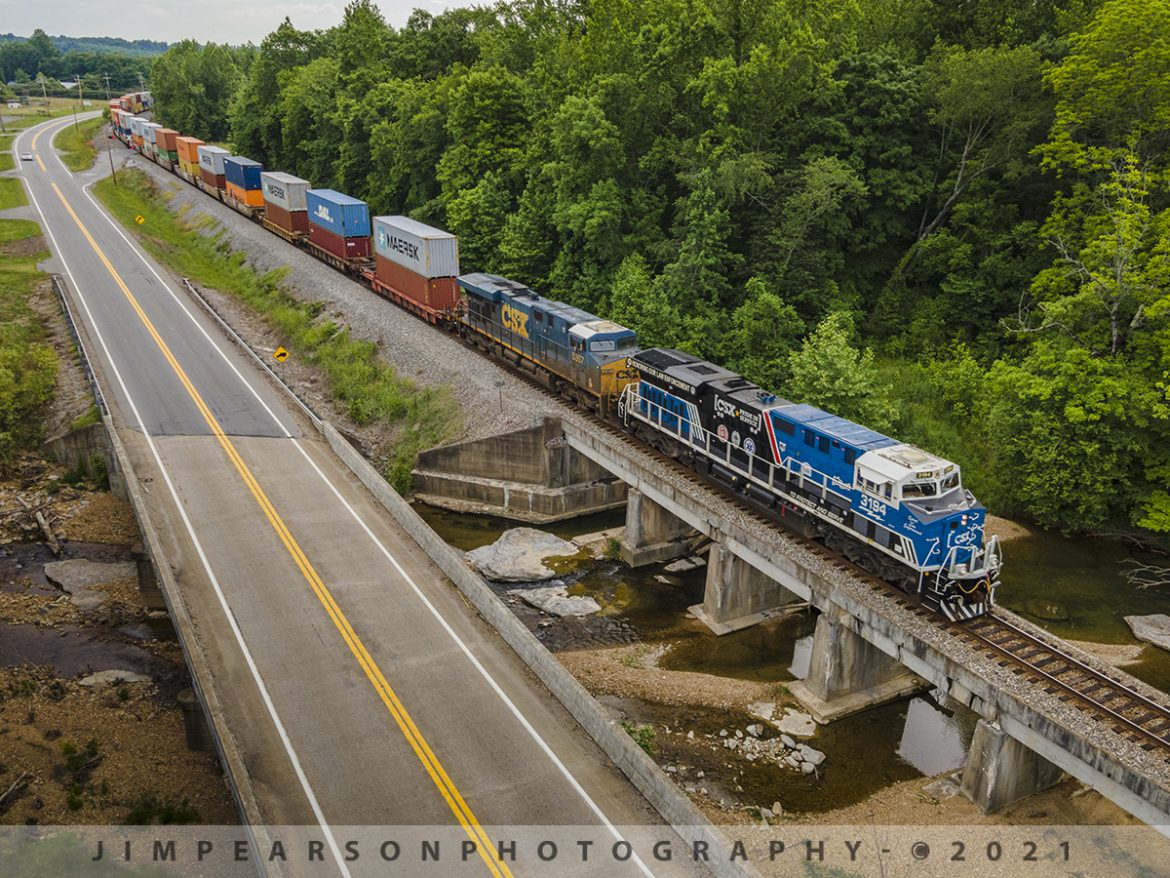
(891, 507)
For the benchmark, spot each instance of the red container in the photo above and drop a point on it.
(216, 180)
(289, 220)
(438, 294)
(343, 248)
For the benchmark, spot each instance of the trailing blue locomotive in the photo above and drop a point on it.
(891, 507)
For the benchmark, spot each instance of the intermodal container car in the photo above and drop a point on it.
(284, 201)
(417, 261)
(211, 165)
(164, 141)
(341, 215)
(243, 180)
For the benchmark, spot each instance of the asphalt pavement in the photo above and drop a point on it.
(361, 689)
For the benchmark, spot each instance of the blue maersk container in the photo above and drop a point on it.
(242, 172)
(340, 214)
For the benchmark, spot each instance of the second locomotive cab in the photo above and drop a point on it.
(897, 510)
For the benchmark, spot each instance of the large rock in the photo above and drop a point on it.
(1153, 629)
(517, 556)
(112, 677)
(79, 578)
(556, 600)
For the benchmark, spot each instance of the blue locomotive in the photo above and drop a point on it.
(573, 351)
(891, 507)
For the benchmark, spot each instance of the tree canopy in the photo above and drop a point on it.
(950, 221)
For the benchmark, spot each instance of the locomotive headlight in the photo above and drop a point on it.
(964, 519)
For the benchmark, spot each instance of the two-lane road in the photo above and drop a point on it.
(359, 687)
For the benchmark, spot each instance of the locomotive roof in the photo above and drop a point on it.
(683, 366)
(836, 427)
(495, 288)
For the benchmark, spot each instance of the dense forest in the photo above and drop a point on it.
(946, 220)
(62, 58)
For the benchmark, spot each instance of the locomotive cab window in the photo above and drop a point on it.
(810, 438)
(914, 490)
(601, 346)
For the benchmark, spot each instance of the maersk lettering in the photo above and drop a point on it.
(392, 242)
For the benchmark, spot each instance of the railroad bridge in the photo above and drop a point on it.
(1044, 706)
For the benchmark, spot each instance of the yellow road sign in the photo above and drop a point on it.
(140, 219)
(280, 355)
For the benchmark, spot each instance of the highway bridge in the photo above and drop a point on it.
(348, 683)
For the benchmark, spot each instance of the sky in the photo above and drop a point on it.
(218, 21)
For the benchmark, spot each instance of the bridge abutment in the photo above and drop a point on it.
(528, 475)
(737, 595)
(1000, 770)
(652, 533)
(848, 674)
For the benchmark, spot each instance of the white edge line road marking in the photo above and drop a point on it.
(516, 712)
(255, 671)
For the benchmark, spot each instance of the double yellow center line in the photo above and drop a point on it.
(402, 717)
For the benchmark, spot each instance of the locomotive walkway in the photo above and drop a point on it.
(348, 683)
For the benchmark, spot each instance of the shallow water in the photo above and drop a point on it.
(1075, 589)
(70, 650)
(866, 752)
(22, 564)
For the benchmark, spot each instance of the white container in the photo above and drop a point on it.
(211, 158)
(420, 248)
(284, 190)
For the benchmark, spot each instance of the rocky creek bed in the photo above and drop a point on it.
(88, 676)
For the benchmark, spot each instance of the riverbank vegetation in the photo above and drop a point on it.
(28, 365)
(948, 221)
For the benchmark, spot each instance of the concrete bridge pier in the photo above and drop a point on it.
(738, 595)
(652, 533)
(847, 674)
(148, 588)
(1000, 770)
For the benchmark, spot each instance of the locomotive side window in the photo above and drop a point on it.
(810, 438)
(786, 427)
(850, 456)
(823, 443)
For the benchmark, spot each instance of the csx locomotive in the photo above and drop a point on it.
(891, 507)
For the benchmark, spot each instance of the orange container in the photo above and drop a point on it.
(187, 148)
(250, 197)
(164, 138)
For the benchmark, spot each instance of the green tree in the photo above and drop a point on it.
(1069, 431)
(829, 372)
(763, 333)
(193, 86)
(310, 144)
(43, 45)
(1113, 89)
(635, 302)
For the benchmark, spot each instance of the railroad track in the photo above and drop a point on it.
(1129, 713)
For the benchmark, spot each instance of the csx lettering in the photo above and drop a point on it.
(723, 407)
(515, 320)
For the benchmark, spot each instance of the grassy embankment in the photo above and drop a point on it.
(76, 143)
(7, 163)
(35, 111)
(12, 193)
(368, 387)
(28, 365)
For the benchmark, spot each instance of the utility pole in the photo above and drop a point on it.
(106, 76)
(141, 82)
(44, 94)
(110, 152)
(80, 98)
